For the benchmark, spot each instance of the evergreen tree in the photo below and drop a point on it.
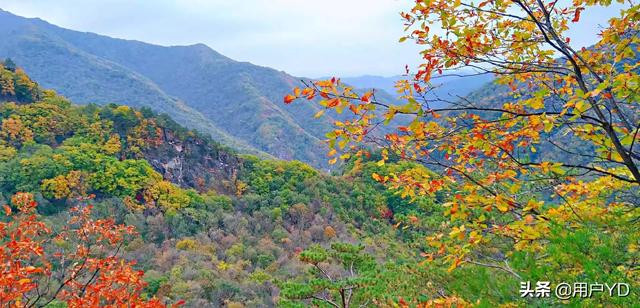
(10, 65)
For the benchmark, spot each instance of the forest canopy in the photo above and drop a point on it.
(493, 199)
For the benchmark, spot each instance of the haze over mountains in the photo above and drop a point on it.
(446, 88)
(238, 103)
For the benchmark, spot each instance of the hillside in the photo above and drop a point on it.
(237, 103)
(215, 228)
(447, 88)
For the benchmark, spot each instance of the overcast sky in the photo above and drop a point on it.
(310, 38)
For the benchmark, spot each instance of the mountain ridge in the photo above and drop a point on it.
(36, 67)
(448, 87)
(238, 103)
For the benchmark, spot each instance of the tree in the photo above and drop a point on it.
(26, 90)
(550, 155)
(6, 82)
(78, 265)
(357, 270)
(10, 65)
(70, 185)
(14, 132)
(166, 196)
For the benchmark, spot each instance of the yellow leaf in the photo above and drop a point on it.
(537, 103)
(596, 92)
(514, 188)
(548, 126)
(502, 204)
(376, 177)
(24, 281)
(581, 106)
(454, 265)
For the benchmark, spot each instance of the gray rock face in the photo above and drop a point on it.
(193, 163)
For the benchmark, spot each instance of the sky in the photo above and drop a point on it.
(310, 38)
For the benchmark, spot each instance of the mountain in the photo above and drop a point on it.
(213, 228)
(375, 82)
(237, 103)
(448, 87)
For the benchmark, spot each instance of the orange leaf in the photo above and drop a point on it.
(366, 97)
(333, 102)
(309, 93)
(353, 109)
(7, 210)
(289, 98)
(376, 177)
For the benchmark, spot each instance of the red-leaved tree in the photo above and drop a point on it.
(78, 265)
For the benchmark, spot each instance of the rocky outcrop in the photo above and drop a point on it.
(194, 162)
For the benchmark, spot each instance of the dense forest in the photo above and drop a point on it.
(213, 227)
(523, 193)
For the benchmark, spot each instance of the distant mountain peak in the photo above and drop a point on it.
(238, 103)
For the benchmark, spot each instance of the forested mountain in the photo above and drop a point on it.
(220, 229)
(525, 192)
(238, 103)
(214, 228)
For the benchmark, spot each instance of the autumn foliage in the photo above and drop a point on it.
(77, 264)
(547, 160)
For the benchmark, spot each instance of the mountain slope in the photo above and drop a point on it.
(448, 88)
(57, 64)
(213, 228)
(237, 103)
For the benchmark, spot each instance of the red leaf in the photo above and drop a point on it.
(289, 98)
(333, 102)
(366, 97)
(576, 17)
(309, 93)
